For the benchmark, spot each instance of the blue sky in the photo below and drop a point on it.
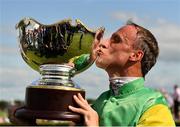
(162, 17)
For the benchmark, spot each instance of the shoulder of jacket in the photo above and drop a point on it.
(152, 98)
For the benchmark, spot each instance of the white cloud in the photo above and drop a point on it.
(125, 16)
(168, 37)
(16, 75)
(14, 81)
(164, 75)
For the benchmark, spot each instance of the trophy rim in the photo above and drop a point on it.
(69, 20)
(56, 87)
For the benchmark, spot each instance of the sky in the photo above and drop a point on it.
(161, 17)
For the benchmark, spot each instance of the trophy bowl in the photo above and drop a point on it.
(47, 49)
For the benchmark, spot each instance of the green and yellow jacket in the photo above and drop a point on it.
(135, 105)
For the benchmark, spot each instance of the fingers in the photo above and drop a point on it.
(84, 106)
(81, 102)
(78, 110)
(71, 64)
(82, 99)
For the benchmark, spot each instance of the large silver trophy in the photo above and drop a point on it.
(47, 49)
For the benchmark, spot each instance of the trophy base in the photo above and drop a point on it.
(50, 103)
(48, 115)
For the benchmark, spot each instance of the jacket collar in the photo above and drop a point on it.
(125, 85)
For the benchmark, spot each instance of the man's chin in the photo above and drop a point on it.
(100, 64)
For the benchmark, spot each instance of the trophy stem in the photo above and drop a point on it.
(56, 74)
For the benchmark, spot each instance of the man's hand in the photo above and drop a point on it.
(90, 115)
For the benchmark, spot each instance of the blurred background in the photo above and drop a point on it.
(161, 17)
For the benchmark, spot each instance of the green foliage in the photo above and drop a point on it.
(6, 124)
(3, 114)
(3, 105)
(18, 102)
(90, 101)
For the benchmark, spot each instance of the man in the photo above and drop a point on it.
(176, 97)
(127, 56)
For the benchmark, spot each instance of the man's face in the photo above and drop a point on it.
(114, 52)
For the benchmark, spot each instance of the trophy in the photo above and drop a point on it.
(47, 49)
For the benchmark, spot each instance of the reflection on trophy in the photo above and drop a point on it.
(47, 49)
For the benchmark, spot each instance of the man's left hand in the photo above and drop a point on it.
(90, 115)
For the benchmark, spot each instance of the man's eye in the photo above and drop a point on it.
(116, 38)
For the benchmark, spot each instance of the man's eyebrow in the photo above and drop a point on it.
(122, 36)
(116, 34)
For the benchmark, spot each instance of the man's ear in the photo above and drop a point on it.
(136, 55)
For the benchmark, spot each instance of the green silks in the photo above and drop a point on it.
(126, 108)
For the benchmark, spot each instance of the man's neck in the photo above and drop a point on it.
(128, 72)
(114, 75)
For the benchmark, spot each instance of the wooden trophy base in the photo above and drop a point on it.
(50, 103)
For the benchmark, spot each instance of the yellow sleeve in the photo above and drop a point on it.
(158, 115)
(73, 59)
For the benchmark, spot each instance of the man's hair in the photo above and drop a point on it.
(148, 44)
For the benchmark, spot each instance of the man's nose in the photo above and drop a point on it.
(104, 43)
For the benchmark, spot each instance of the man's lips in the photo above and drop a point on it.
(99, 53)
